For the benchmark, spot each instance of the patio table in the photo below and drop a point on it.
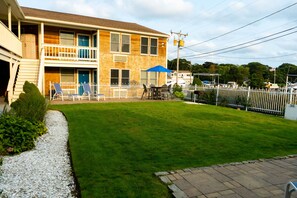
(155, 93)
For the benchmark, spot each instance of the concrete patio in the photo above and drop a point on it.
(249, 179)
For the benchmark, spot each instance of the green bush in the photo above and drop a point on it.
(31, 105)
(176, 87)
(177, 91)
(179, 94)
(17, 134)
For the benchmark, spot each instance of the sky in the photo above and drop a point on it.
(265, 30)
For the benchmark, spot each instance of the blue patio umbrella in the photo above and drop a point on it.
(159, 69)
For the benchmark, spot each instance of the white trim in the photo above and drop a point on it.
(37, 19)
(7, 56)
(98, 61)
(119, 78)
(88, 65)
(9, 17)
(116, 33)
(150, 46)
(121, 43)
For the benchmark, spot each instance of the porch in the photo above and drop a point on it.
(62, 53)
(109, 91)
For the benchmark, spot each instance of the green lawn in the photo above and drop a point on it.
(116, 147)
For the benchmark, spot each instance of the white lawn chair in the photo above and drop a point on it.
(89, 93)
(59, 93)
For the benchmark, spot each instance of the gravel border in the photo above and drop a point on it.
(44, 171)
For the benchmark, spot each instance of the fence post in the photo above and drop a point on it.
(217, 96)
(247, 98)
(291, 95)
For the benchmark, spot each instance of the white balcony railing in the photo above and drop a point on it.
(69, 53)
(9, 40)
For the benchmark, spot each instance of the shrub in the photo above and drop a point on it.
(177, 91)
(179, 94)
(242, 101)
(197, 81)
(209, 97)
(223, 101)
(18, 134)
(31, 105)
(176, 87)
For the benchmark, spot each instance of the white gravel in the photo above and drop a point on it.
(44, 171)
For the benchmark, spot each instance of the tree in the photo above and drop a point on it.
(283, 70)
(183, 64)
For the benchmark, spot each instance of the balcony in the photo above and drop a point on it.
(9, 40)
(58, 53)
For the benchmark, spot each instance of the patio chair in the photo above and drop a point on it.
(165, 92)
(145, 91)
(89, 93)
(59, 93)
(290, 188)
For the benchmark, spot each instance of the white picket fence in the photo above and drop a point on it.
(272, 102)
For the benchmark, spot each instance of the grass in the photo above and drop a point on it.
(116, 147)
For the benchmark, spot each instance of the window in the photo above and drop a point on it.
(114, 77)
(119, 43)
(149, 46)
(126, 43)
(67, 38)
(67, 75)
(115, 42)
(153, 78)
(143, 77)
(122, 76)
(154, 46)
(125, 77)
(144, 45)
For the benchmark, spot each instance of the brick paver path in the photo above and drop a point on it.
(260, 178)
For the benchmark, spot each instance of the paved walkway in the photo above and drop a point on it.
(260, 178)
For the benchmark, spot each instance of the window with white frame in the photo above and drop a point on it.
(144, 45)
(126, 43)
(67, 38)
(154, 46)
(144, 77)
(117, 76)
(153, 78)
(114, 77)
(119, 42)
(125, 77)
(149, 46)
(67, 75)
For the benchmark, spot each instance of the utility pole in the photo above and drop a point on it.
(179, 43)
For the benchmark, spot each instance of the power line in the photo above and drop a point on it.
(287, 7)
(241, 44)
(205, 55)
(268, 57)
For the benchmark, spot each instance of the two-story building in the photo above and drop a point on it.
(72, 49)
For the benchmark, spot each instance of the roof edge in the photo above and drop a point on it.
(78, 24)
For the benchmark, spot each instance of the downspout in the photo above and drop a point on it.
(98, 61)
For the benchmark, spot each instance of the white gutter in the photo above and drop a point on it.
(95, 27)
